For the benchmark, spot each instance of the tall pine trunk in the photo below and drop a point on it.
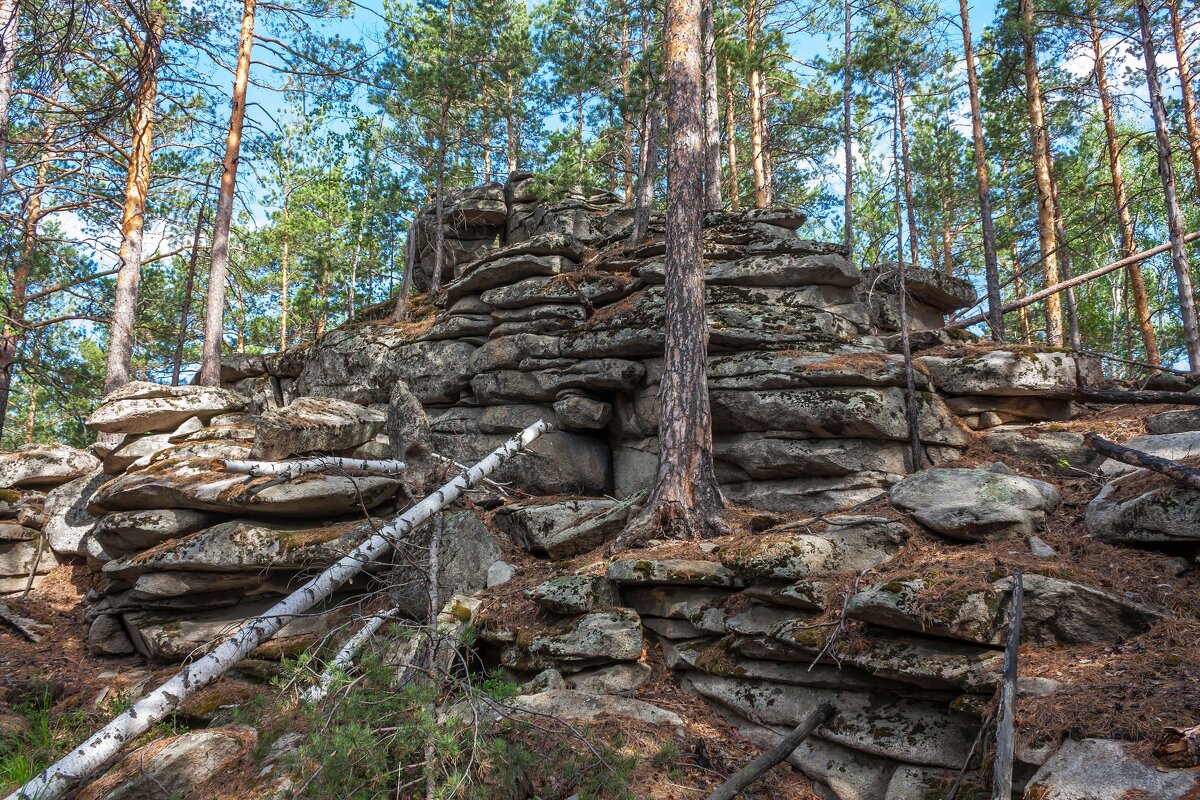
(990, 260)
(712, 112)
(906, 164)
(847, 127)
(1039, 146)
(10, 11)
(735, 201)
(1137, 282)
(189, 288)
(137, 186)
(757, 143)
(686, 501)
(218, 275)
(1162, 137)
(1189, 98)
(647, 168)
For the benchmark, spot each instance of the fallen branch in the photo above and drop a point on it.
(1005, 737)
(102, 746)
(1029, 300)
(1142, 397)
(345, 657)
(767, 761)
(294, 469)
(19, 624)
(1136, 458)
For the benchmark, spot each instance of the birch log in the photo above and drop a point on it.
(345, 657)
(102, 746)
(294, 469)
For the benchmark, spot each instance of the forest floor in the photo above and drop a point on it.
(54, 692)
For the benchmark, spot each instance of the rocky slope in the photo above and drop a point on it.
(850, 578)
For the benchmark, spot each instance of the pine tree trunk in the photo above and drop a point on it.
(686, 501)
(1039, 145)
(1162, 137)
(735, 201)
(1189, 98)
(513, 125)
(764, 123)
(137, 186)
(189, 288)
(31, 415)
(214, 313)
(10, 11)
(990, 260)
(756, 116)
(1137, 282)
(439, 208)
(847, 127)
(648, 168)
(906, 163)
(712, 112)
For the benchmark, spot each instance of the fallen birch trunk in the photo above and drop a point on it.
(294, 469)
(103, 745)
(1136, 458)
(345, 657)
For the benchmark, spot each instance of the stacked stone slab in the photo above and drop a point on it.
(743, 624)
(183, 548)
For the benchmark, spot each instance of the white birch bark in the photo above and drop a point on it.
(294, 469)
(345, 657)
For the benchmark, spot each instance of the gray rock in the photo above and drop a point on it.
(505, 267)
(1040, 548)
(557, 463)
(130, 531)
(576, 412)
(624, 678)
(749, 371)
(817, 495)
(916, 783)
(1181, 421)
(172, 636)
(248, 546)
(573, 594)
(1172, 446)
(775, 454)
(597, 289)
(608, 635)
(672, 602)
(141, 407)
(828, 269)
(1104, 769)
(314, 424)
(201, 485)
(975, 505)
(569, 704)
(844, 774)
(1063, 451)
(180, 766)
(238, 366)
(106, 637)
(68, 522)
(499, 573)
(913, 731)
(1003, 372)
(18, 559)
(14, 532)
(672, 571)
(36, 465)
(506, 386)
(468, 550)
(849, 544)
(929, 663)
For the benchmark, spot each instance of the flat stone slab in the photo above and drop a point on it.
(1003, 372)
(1103, 769)
(130, 531)
(912, 731)
(141, 407)
(1144, 507)
(974, 504)
(203, 485)
(32, 466)
(573, 594)
(583, 706)
(314, 424)
(610, 635)
(672, 571)
(849, 544)
(564, 529)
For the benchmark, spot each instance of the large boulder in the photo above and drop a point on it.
(314, 424)
(466, 551)
(39, 465)
(556, 463)
(126, 532)
(68, 522)
(974, 504)
(848, 544)
(1145, 507)
(1181, 421)
(141, 407)
(1063, 451)
(1171, 446)
(173, 767)
(599, 636)
(18, 559)
(1104, 769)
(565, 528)
(1055, 612)
(204, 485)
(174, 636)
(1003, 372)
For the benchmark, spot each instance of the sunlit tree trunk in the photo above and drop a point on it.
(188, 289)
(847, 126)
(1162, 136)
(1039, 138)
(513, 124)
(626, 128)
(712, 112)
(990, 260)
(735, 201)
(1137, 282)
(757, 144)
(906, 165)
(214, 316)
(686, 501)
(647, 168)
(1189, 97)
(10, 11)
